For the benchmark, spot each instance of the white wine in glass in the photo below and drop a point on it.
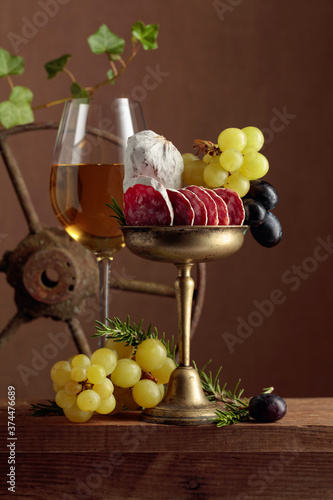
(87, 170)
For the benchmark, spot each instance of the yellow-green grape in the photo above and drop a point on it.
(61, 372)
(151, 354)
(207, 158)
(188, 158)
(238, 183)
(107, 405)
(81, 360)
(129, 401)
(73, 387)
(104, 389)
(162, 390)
(232, 138)
(64, 400)
(248, 150)
(255, 166)
(74, 414)
(120, 348)
(79, 373)
(231, 159)
(193, 173)
(214, 175)
(163, 373)
(106, 358)
(57, 387)
(255, 138)
(146, 393)
(96, 374)
(88, 400)
(126, 374)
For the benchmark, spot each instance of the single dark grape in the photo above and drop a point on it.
(263, 192)
(255, 213)
(267, 408)
(268, 233)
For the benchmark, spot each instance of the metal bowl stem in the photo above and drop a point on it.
(184, 402)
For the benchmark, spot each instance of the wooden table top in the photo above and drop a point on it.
(307, 427)
(122, 458)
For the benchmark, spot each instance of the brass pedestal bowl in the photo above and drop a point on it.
(184, 402)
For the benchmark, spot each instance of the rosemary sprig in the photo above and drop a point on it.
(120, 216)
(212, 388)
(133, 334)
(42, 410)
(229, 417)
(235, 407)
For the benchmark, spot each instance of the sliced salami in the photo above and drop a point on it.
(183, 211)
(200, 211)
(146, 203)
(234, 204)
(221, 206)
(212, 214)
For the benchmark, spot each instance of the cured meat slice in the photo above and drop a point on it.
(183, 211)
(200, 211)
(212, 214)
(234, 204)
(146, 203)
(221, 206)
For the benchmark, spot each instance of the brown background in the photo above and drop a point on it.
(237, 65)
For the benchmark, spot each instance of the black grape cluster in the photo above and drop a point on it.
(258, 203)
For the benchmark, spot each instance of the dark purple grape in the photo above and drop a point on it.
(255, 213)
(267, 407)
(263, 192)
(268, 233)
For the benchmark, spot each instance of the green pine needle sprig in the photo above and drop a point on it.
(119, 213)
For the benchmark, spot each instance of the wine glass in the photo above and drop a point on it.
(87, 170)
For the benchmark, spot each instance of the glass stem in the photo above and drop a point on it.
(104, 265)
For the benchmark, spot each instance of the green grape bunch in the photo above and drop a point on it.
(230, 163)
(126, 373)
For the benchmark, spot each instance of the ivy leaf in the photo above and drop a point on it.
(78, 91)
(56, 65)
(110, 76)
(106, 41)
(17, 110)
(10, 65)
(145, 34)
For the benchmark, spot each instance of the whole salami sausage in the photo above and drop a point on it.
(183, 211)
(234, 204)
(146, 203)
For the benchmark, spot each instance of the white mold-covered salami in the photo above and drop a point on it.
(235, 205)
(183, 210)
(146, 203)
(152, 155)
